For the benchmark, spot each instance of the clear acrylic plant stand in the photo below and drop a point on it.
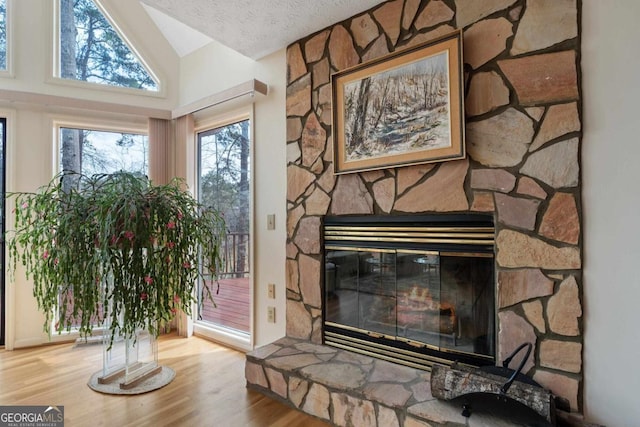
(129, 360)
(141, 357)
(130, 365)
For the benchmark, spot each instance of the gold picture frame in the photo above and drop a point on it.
(402, 109)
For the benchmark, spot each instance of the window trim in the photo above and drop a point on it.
(204, 121)
(53, 74)
(95, 124)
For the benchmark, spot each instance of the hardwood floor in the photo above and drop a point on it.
(209, 388)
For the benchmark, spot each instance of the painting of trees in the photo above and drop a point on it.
(399, 110)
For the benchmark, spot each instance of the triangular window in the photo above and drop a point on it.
(92, 50)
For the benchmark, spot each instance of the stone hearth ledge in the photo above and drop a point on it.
(348, 389)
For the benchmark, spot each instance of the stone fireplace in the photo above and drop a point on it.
(523, 135)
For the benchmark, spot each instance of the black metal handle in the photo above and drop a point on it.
(507, 361)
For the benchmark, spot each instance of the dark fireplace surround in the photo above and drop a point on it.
(523, 136)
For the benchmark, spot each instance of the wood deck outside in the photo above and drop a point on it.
(232, 304)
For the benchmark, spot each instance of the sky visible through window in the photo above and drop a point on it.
(108, 152)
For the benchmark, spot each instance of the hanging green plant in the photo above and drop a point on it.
(115, 250)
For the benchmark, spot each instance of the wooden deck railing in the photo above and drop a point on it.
(235, 255)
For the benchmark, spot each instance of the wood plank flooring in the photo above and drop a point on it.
(209, 388)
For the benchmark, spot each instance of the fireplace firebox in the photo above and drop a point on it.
(414, 290)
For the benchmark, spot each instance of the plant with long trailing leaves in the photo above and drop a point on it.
(115, 250)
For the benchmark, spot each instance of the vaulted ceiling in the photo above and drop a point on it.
(254, 28)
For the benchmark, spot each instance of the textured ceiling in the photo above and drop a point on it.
(257, 28)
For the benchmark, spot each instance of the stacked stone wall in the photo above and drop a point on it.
(523, 135)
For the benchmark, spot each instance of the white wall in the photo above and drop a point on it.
(28, 143)
(215, 68)
(611, 205)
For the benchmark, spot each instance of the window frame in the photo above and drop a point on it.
(53, 76)
(10, 309)
(3, 228)
(204, 121)
(101, 125)
(95, 124)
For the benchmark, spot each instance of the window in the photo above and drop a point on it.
(90, 151)
(224, 181)
(91, 49)
(3, 35)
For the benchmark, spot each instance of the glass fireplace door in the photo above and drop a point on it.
(415, 290)
(467, 287)
(377, 292)
(424, 313)
(360, 289)
(442, 300)
(446, 300)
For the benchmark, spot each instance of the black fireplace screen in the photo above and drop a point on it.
(418, 291)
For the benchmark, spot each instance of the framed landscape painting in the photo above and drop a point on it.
(402, 109)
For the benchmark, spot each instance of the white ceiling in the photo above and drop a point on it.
(255, 28)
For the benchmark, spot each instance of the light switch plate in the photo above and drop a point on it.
(271, 222)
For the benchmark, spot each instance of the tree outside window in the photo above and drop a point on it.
(3, 34)
(92, 51)
(108, 152)
(224, 184)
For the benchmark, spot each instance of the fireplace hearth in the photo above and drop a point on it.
(414, 290)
